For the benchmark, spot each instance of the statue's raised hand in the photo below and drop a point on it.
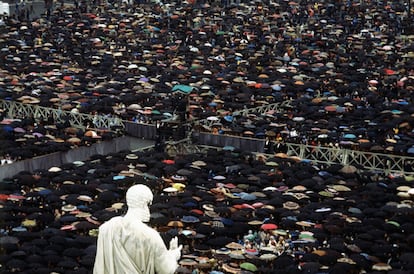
(175, 248)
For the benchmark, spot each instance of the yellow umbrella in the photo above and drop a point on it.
(29, 223)
(178, 186)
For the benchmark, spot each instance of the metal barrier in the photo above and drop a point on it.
(19, 110)
(387, 163)
(260, 109)
(79, 120)
(264, 108)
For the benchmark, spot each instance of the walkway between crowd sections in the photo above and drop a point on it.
(82, 153)
(387, 163)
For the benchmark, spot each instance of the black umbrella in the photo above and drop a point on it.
(8, 240)
(219, 241)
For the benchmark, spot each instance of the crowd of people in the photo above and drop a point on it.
(232, 211)
(26, 138)
(346, 68)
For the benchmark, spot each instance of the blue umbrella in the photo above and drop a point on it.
(410, 150)
(153, 28)
(190, 219)
(247, 196)
(228, 148)
(118, 177)
(45, 192)
(260, 134)
(8, 128)
(340, 109)
(228, 118)
(276, 87)
(349, 136)
(227, 222)
(402, 102)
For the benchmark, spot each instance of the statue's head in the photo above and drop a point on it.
(139, 198)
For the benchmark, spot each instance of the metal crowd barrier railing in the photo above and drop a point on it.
(20, 110)
(388, 163)
(385, 163)
(260, 109)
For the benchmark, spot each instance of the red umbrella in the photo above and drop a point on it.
(168, 162)
(269, 226)
(331, 108)
(389, 72)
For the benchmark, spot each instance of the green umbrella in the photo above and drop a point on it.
(182, 88)
(393, 223)
(248, 266)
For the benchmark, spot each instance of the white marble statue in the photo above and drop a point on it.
(126, 245)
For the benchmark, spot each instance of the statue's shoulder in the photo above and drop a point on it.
(114, 221)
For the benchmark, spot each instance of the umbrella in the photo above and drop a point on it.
(45, 192)
(331, 108)
(73, 140)
(149, 176)
(37, 134)
(220, 241)
(29, 223)
(348, 169)
(213, 118)
(228, 118)
(190, 219)
(182, 88)
(229, 148)
(8, 240)
(84, 225)
(381, 267)
(349, 136)
(175, 224)
(268, 257)
(269, 226)
(8, 128)
(184, 172)
(248, 266)
(234, 245)
(19, 130)
(132, 66)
